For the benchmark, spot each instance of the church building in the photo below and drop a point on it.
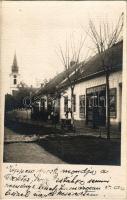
(14, 76)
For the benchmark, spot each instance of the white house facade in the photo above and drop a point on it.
(89, 100)
(91, 93)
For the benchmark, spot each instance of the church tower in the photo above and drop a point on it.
(14, 76)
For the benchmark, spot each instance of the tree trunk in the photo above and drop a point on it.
(72, 109)
(108, 106)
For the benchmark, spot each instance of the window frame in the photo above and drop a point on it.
(82, 115)
(114, 115)
(15, 81)
(65, 103)
(74, 102)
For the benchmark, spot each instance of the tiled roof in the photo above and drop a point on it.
(113, 59)
(51, 86)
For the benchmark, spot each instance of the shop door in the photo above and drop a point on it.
(96, 107)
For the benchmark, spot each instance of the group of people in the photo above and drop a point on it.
(54, 116)
(68, 113)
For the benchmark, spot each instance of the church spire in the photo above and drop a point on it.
(15, 65)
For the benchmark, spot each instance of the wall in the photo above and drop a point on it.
(80, 89)
(19, 114)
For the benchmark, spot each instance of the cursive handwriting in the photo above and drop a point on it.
(56, 181)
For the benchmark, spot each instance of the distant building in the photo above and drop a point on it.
(14, 76)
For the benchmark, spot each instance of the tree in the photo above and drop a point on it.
(10, 102)
(70, 58)
(103, 38)
(22, 96)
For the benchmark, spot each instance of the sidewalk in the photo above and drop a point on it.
(19, 149)
(85, 131)
(12, 137)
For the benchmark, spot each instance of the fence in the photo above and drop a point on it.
(18, 114)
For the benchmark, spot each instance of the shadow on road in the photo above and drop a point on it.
(83, 149)
(30, 129)
(80, 149)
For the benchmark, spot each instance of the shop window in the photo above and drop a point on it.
(102, 98)
(92, 101)
(113, 110)
(96, 108)
(15, 81)
(82, 106)
(65, 103)
(74, 102)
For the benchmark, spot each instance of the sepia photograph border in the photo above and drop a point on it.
(117, 173)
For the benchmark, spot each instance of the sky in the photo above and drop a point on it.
(35, 29)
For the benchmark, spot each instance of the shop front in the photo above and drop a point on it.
(96, 106)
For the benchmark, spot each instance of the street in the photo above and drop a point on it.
(57, 147)
(23, 152)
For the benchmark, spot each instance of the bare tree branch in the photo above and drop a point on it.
(104, 38)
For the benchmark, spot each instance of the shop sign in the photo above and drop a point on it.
(96, 89)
